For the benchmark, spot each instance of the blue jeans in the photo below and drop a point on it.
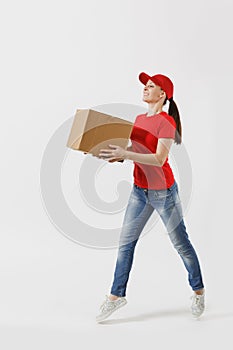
(141, 204)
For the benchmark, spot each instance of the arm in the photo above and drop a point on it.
(156, 159)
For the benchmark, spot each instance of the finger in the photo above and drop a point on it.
(113, 146)
(106, 154)
(117, 160)
(108, 157)
(106, 150)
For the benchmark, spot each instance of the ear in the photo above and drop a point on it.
(162, 94)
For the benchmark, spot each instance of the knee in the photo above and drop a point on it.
(128, 247)
(183, 249)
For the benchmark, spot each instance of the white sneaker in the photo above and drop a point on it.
(198, 304)
(109, 306)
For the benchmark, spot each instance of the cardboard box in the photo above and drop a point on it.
(92, 131)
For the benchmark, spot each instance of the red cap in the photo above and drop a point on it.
(159, 79)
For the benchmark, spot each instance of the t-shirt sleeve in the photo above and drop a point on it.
(167, 128)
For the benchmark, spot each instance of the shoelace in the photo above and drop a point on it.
(106, 304)
(196, 298)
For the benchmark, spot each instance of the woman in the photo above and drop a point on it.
(154, 188)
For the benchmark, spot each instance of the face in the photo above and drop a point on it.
(153, 93)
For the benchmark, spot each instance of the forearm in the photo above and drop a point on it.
(149, 159)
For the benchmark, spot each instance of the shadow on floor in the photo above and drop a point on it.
(208, 315)
(148, 316)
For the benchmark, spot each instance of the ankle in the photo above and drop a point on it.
(199, 292)
(113, 297)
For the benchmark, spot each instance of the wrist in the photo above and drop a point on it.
(127, 155)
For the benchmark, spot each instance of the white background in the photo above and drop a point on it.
(57, 56)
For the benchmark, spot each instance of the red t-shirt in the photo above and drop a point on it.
(144, 138)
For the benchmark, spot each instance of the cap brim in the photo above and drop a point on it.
(143, 77)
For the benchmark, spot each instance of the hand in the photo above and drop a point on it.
(113, 154)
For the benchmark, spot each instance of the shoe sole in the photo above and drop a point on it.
(103, 317)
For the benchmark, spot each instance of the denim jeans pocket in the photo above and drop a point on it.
(162, 194)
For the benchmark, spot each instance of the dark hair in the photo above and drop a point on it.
(173, 112)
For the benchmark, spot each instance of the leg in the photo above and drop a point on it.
(182, 244)
(137, 214)
(170, 211)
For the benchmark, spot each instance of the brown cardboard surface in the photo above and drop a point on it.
(92, 130)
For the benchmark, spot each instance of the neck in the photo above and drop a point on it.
(154, 108)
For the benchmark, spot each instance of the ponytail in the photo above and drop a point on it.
(173, 112)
